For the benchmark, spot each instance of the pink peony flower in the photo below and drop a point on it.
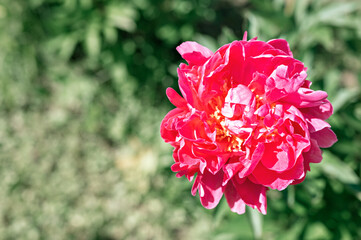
(247, 121)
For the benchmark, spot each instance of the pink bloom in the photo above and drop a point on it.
(247, 121)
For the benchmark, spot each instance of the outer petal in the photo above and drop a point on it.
(316, 124)
(325, 138)
(212, 79)
(187, 89)
(322, 111)
(256, 48)
(188, 170)
(196, 185)
(234, 200)
(210, 188)
(236, 58)
(185, 155)
(281, 44)
(306, 98)
(176, 99)
(252, 194)
(167, 127)
(193, 129)
(314, 155)
(194, 53)
(275, 180)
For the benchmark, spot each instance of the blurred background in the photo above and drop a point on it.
(82, 95)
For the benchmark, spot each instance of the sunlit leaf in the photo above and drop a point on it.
(337, 169)
(92, 41)
(122, 16)
(343, 97)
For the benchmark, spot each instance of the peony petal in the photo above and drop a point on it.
(281, 44)
(257, 84)
(256, 48)
(236, 57)
(196, 185)
(212, 82)
(214, 158)
(314, 155)
(186, 88)
(185, 170)
(194, 53)
(299, 144)
(306, 98)
(193, 130)
(167, 127)
(252, 194)
(176, 99)
(185, 154)
(236, 101)
(316, 124)
(277, 180)
(322, 111)
(249, 165)
(258, 64)
(234, 200)
(281, 83)
(244, 36)
(325, 138)
(210, 189)
(296, 172)
(278, 157)
(232, 167)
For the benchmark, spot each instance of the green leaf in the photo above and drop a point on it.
(92, 41)
(332, 82)
(67, 46)
(301, 10)
(337, 11)
(343, 97)
(122, 16)
(110, 34)
(337, 169)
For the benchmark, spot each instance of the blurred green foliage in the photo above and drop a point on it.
(82, 94)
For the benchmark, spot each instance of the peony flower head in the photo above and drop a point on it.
(247, 121)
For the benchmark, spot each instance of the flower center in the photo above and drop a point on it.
(223, 135)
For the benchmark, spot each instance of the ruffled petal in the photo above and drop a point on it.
(306, 98)
(325, 137)
(278, 157)
(167, 128)
(176, 99)
(187, 89)
(210, 189)
(238, 100)
(254, 195)
(314, 155)
(277, 180)
(281, 44)
(194, 53)
(234, 200)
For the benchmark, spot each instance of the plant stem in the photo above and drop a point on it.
(255, 219)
